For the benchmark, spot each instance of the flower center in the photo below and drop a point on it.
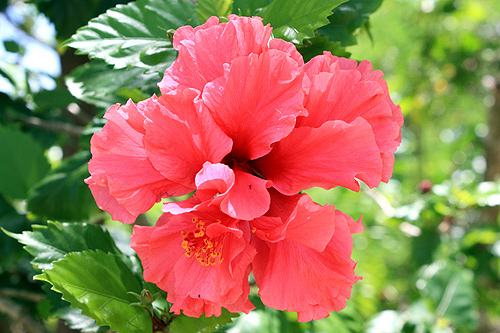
(197, 243)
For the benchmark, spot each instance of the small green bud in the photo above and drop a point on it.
(170, 35)
(146, 297)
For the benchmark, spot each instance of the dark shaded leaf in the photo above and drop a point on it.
(22, 162)
(62, 194)
(347, 18)
(249, 7)
(296, 20)
(316, 46)
(69, 15)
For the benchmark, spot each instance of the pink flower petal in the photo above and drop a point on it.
(119, 161)
(332, 155)
(192, 286)
(296, 218)
(248, 198)
(237, 193)
(204, 50)
(181, 135)
(294, 277)
(340, 89)
(213, 180)
(257, 101)
(107, 202)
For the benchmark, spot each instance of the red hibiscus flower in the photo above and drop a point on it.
(254, 107)
(299, 252)
(244, 123)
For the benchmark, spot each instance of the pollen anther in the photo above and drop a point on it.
(196, 242)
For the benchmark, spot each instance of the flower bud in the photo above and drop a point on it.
(146, 297)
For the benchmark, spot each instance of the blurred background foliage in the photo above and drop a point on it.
(430, 253)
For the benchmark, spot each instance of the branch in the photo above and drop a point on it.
(51, 126)
(17, 315)
(22, 294)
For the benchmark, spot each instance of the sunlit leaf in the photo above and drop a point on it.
(208, 8)
(184, 324)
(22, 163)
(296, 20)
(99, 283)
(135, 34)
(55, 240)
(97, 83)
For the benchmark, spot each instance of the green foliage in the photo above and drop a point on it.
(22, 162)
(69, 15)
(203, 324)
(347, 18)
(429, 256)
(54, 99)
(65, 184)
(99, 283)
(249, 7)
(14, 222)
(319, 44)
(55, 240)
(449, 288)
(96, 83)
(208, 8)
(296, 20)
(135, 34)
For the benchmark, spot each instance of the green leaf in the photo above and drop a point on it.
(22, 163)
(99, 84)
(208, 8)
(55, 240)
(69, 15)
(450, 289)
(11, 46)
(98, 283)
(347, 18)
(316, 46)
(9, 248)
(135, 34)
(297, 19)
(249, 7)
(53, 99)
(62, 194)
(184, 324)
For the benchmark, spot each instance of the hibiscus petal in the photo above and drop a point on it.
(191, 286)
(296, 218)
(237, 193)
(119, 161)
(181, 135)
(257, 101)
(205, 49)
(107, 202)
(340, 89)
(212, 180)
(248, 198)
(311, 224)
(295, 277)
(332, 155)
